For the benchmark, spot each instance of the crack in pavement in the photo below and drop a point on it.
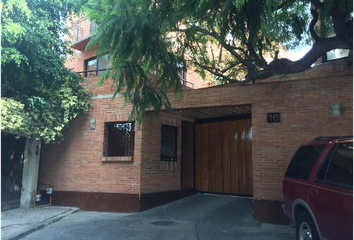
(14, 225)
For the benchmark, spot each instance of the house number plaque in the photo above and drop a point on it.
(273, 117)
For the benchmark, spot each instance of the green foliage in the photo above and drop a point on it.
(39, 95)
(144, 54)
(139, 52)
(13, 116)
(344, 6)
(234, 40)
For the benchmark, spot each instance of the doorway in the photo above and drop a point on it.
(12, 156)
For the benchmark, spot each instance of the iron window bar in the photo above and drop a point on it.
(169, 138)
(88, 71)
(118, 139)
(79, 25)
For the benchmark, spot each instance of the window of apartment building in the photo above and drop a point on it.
(337, 54)
(182, 72)
(118, 139)
(92, 26)
(168, 143)
(96, 66)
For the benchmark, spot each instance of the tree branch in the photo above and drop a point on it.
(259, 60)
(215, 72)
(229, 67)
(286, 66)
(285, 4)
(313, 22)
(253, 60)
(215, 35)
(317, 3)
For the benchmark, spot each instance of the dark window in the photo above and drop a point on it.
(118, 139)
(182, 72)
(321, 175)
(168, 143)
(301, 165)
(92, 26)
(337, 168)
(96, 66)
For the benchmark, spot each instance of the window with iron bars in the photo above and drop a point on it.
(168, 143)
(118, 139)
(182, 72)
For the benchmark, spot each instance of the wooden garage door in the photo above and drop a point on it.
(223, 157)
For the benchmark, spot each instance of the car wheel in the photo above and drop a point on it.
(305, 228)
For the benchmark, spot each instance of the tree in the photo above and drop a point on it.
(148, 40)
(39, 95)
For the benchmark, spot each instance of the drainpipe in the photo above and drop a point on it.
(30, 170)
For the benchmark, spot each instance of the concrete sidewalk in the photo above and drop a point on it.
(19, 222)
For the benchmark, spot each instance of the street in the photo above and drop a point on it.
(199, 217)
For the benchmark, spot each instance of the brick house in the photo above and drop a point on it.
(226, 139)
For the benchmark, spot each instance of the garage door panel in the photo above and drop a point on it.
(248, 160)
(233, 157)
(224, 157)
(219, 157)
(211, 158)
(241, 158)
(205, 163)
(198, 156)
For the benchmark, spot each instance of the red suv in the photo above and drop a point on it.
(318, 189)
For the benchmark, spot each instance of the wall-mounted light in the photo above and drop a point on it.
(335, 110)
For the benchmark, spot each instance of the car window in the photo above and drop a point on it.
(302, 162)
(321, 175)
(337, 168)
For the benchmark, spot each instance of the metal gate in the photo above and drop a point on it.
(12, 155)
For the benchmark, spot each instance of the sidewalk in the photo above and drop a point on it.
(19, 222)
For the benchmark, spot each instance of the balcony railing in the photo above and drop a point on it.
(80, 32)
(88, 73)
(97, 72)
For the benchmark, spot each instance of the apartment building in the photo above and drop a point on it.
(228, 139)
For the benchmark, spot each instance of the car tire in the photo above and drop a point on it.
(305, 228)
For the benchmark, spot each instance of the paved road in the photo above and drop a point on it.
(199, 217)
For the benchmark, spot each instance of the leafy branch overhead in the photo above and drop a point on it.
(233, 40)
(39, 95)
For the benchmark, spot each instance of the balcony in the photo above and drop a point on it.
(80, 33)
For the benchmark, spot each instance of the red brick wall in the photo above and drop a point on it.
(305, 114)
(195, 78)
(77, 165)
(157, 175)
(106, 88)
(76, 62)
(79, 28)
(304, 105)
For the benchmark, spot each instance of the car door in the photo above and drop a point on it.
(352, 209)
(331, 193)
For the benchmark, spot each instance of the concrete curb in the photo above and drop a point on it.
(43, 224)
